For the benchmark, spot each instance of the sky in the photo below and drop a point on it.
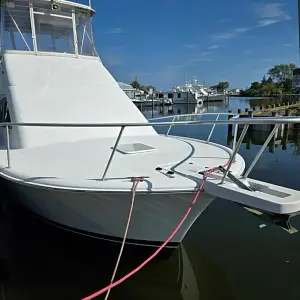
(163, 42)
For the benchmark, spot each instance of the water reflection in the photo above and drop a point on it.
(47, 263)
(181, 109)
(281, 140)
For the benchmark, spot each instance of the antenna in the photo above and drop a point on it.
(90, 3)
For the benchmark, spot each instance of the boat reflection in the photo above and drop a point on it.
(67, 266)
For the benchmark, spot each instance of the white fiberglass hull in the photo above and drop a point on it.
(104, 215)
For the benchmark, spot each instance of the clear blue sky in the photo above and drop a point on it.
(163, 41)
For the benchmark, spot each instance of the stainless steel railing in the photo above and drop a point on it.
(234, 121)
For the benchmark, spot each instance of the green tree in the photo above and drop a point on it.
(264, 80)
(282, 72)
(221, 86)
(135, 85)
(255, 85)
(286, 86)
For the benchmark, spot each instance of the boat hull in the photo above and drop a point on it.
(104, 215)
(215, 98)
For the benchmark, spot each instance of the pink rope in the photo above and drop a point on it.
(175, 230)
(136, 182)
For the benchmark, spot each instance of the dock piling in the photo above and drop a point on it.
(230, 115)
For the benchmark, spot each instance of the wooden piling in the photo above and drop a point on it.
(285, 140)
(229, 138)
(249, 140)
(286, 126)
(230, 115)
(250, 115)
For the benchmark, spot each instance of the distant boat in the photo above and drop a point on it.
(146, 102)
(198, 91)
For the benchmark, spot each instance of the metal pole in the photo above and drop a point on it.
(213, 128)
(113, 152)
(261, 150)
(153, 106)
(235, 152)
(7, 146)
(171, 125)
(75, 32)
(83, 36)
(236, 128)
(33, 31)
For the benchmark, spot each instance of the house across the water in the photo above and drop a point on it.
(130, 91)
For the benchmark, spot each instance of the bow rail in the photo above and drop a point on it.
(176, 121)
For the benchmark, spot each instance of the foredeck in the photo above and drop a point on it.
(80, 165)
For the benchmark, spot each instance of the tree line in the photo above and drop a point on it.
(278, 80)
(222, 86)
(145, 88)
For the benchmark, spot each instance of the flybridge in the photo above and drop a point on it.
(47, 26)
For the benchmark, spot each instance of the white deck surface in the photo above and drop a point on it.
(80, 165)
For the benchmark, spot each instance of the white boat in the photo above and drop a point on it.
(146, 102)
(194, 91)
(71, 154)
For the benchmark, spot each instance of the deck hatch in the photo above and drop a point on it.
(135, 148)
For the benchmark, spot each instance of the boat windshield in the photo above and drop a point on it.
(39, 27)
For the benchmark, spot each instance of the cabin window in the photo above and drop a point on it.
(17, 33)
(170, 96)
(178, 95)
(85, 35)
(36, 27)
(54, 30)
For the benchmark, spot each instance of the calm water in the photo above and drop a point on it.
(225, 255)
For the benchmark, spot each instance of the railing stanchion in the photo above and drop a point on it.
(212, 130)
(7, 146)
(260, 152)
(235, 151)
(236, 129)
(171, 126)
(113, 152)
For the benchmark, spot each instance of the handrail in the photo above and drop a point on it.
(193, 114)
(235, 120)
(250, 121)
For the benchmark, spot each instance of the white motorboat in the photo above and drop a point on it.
(71, 154)
(195, 92)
